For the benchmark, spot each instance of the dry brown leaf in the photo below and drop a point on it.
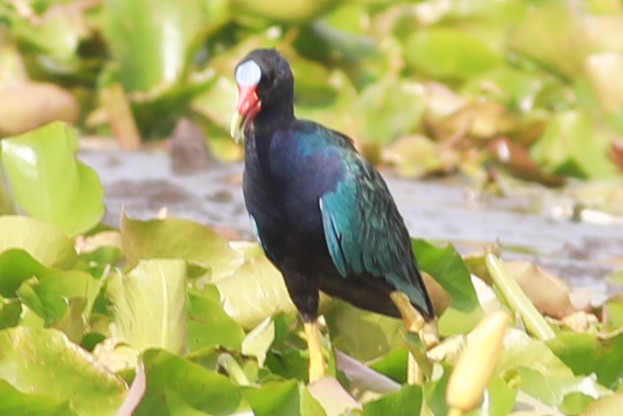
(549, 293)
(28, 105)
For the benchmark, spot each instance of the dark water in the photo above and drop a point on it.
(437, 210)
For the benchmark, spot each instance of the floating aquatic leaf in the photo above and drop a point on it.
(33, 360)
(48, 182)
(177, 386)
(178, 238)
(150, 305)
(44, 242)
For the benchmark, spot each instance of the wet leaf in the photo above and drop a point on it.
(49, 183)
(150, 305)
(87, 388)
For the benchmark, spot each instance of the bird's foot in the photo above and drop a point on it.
(317, 368)
(414, 322)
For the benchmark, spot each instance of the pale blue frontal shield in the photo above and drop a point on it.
(248, 73)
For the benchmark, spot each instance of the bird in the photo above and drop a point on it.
(321, 212)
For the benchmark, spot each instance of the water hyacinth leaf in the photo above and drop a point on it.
(449, 53)
(554, 390)
(150, 305)
(31, 360)
(208, 324)
(56, 34)
(554, 36)
(391, 107)
(259, 340)
(50, 295)
(15, 402)
(274, 398)
(364, 335)
(264, 293)
(49, 183)
(405, 402)
(45, 243)
(393, 365)
(181, 239)
(139, 36)
(574, 145)
(10, 312)
(177, 386)
(575, 348)
(447, 267)
(16, 265)
(520, 350)
(283, 11)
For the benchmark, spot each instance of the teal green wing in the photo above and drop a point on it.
(366, 235)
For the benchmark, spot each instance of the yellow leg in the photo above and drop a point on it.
(418, 364)
(317, 368)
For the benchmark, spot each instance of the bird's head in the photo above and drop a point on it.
(265, 84)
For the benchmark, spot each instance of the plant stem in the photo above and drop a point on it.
(517, 299)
